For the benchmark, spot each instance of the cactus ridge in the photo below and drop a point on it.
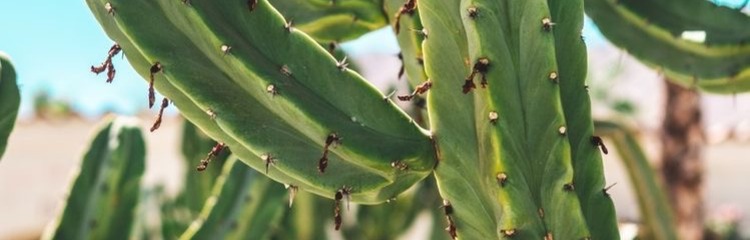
(10, 100)
(333, 21)
(256, 61)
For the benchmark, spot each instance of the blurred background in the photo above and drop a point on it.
(53, 44)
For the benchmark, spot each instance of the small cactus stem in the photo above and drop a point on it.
(480, 66)
(292, 193)
(509, 233)
(599, 143)
(157, 123)
(225, 49)
(553, 77)
(110, 9)
(562, 130)
(252, 4)
(271, 89)
(605, 191)
(332, 140)
(502, 179)
(473, 12)
(401, 166)
(569, 187)
(107, 64)
(151, 95)
(403, 66)
(342, 65)
(213, 153)
(493, 116)
(408, 8)
(289, 25)
(547, 24)
(285, 70)
(451, 228)
(268, 159)
(420, 89)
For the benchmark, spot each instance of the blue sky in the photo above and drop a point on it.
(53, 44)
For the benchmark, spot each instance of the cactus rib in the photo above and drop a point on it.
(269, 55)
(10, 99)
(587, 161)
(333, 21)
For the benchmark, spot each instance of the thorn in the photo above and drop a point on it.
(109, 8)
(252, 4)
(272, 90)
(399, 165)
(289, 25)
(548, 236)
(553, 77)
(451, 228)
(157, 123)
(342, 64)
(473, 12)
(493, 117)
(285, 70)
(213, 153)
(211, 114)
(389, 96)
(151, 95)
(547, 24)
(225, 49)
(268, 159)
(292, 193)
(562, 130)
(606, 189)
(186, 2)
(598, 142)
(447, 207)
(569, 187)
(541, 212)
(346, 194)
(420, 89)
(508, 232)
(502, 178)
(408, 8)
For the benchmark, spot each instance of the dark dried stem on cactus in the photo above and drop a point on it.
(403, 67)
(151, 95)
(408, 8)
(252, 4)
(107, 64)
(268, 160)
(598, 142)
(157, 123)
(213, 153)
(448, 210)
(481, 66)
(332, 139)
(420, 89)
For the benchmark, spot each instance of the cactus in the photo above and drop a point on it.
(277, 98)
(651, 31)
(10, 99)
(654, 208)
(102, 201)
(333, 21)
(266, 69)
(244, 205)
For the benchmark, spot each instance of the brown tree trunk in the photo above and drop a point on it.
(682, 161)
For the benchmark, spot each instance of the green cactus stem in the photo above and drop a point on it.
(102, 201)
(311, 98)
(9, 100)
